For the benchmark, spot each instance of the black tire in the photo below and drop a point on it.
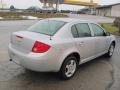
(109, 54)
(63, 69)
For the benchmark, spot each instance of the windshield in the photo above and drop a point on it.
(48, 27)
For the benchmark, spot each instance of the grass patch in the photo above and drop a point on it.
(109, 27)
(17, 15)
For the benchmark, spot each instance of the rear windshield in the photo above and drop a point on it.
(48, 27)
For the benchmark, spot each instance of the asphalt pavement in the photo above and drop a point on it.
(99, 74)
(115, 61)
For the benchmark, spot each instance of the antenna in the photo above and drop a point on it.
(49, 28)
(47, 16)
(49, 23)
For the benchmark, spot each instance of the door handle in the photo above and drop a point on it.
(81, 43)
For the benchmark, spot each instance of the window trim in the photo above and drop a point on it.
(76, 30)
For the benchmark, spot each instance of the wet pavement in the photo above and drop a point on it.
(94, 75)
(99, 74)
(115, 60)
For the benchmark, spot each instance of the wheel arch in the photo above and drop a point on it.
(76, 54)
(114, 42)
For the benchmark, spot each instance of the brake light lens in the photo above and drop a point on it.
(40, 47)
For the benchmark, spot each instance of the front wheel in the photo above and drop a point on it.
(111, 50)
(68, 68)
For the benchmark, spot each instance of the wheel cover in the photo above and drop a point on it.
(70, 68)
(111, 50)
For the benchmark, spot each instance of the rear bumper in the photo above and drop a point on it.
(45, 62)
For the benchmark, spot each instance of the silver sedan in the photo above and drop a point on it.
(60, 45)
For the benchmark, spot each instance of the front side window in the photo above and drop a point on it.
(98, 31)
(83, 30)
(47, 27)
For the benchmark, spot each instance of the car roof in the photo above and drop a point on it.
(71, 20)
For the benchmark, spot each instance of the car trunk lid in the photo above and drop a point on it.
(25, 40)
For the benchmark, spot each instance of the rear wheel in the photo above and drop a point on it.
(111, 50)
(68, 68)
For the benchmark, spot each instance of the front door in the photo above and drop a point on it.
(100, 38)
(83, 40)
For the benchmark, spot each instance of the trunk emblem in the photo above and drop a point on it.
(19, 38)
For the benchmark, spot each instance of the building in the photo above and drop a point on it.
(89, 10)
(85, 10)
(49, 3)
(108, 10)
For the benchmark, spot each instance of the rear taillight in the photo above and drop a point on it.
(40, 47)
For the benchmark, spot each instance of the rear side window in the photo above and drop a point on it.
(83, 30)
(98, 31)
(48, 27)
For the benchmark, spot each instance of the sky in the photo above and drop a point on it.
(23, 4)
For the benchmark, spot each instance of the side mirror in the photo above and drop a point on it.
(107, 34)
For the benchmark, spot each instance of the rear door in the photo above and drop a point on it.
(100, 38)
(83, 39)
